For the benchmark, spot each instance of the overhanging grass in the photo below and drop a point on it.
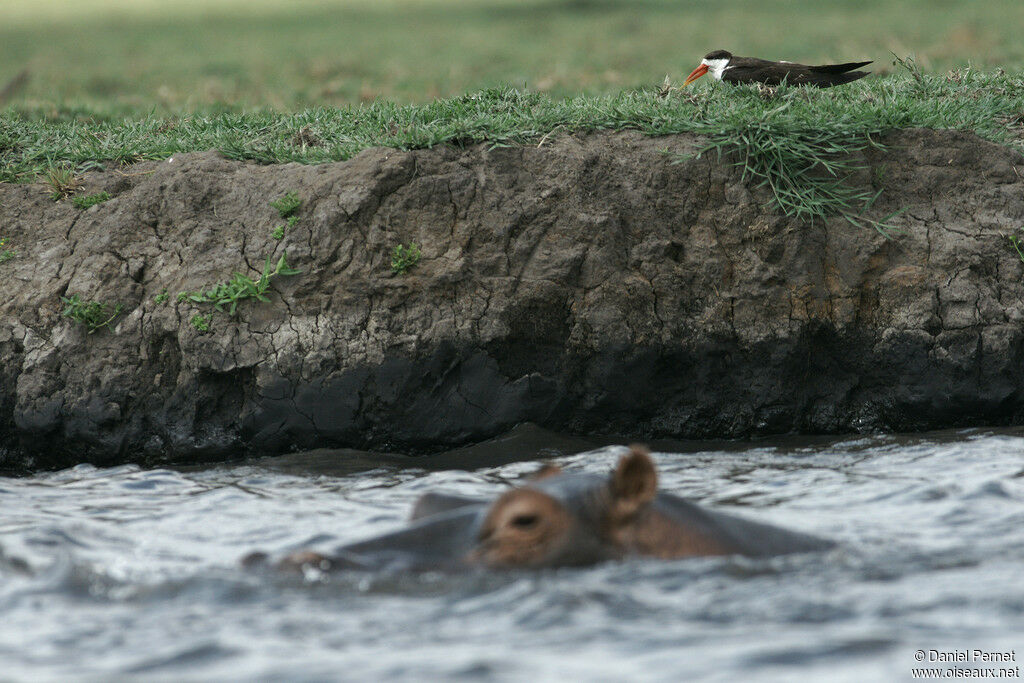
(990, 104)
(806, 169)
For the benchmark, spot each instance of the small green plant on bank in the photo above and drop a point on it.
(240, 287)
(90, 200)
(403, 258)
(93, 314)
(6, 254)
(161, 297)
(287, 205)
(279, 231)
(62, 181)
(201, 322)
(1016, 242)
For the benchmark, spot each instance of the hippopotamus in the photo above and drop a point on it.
(560, 519)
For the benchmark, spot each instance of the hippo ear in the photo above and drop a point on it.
(634, 483)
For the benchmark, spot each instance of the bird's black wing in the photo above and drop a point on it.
(752, 70)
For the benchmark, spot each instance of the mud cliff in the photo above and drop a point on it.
(589, 285)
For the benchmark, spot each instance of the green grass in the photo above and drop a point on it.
(90, 200)
(61, 179)
(132, 56)
(287, 205)
(989, 103)
(805, 168)
(92, 314)
(239, 288)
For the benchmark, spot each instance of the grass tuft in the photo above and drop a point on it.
(90, 200)
(806, 169)
(62, 181)
(287, 205)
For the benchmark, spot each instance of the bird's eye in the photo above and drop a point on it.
(525, 521)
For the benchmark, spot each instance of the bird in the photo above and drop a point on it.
(723, 66)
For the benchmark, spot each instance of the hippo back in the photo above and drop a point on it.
(437, 541)
(737, 534)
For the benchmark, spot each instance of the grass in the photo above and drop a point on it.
(239, 288)
(805, 168)
(989, 103)
(187, 55)
(90, 200)
(403, 258)
(287, 205)
(94, 315)
(62, 181)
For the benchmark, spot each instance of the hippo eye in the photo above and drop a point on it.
(525, 521)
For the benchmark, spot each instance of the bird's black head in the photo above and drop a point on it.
(718, 54)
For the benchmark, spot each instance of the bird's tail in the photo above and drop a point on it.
(838, 68)
(839, 79)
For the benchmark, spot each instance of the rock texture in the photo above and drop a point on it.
(590, 286)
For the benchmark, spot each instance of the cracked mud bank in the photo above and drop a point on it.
(589, 286)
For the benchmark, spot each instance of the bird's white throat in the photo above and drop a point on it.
(716, 67)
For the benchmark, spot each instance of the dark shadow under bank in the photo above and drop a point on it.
(820, 383)
(453, 407)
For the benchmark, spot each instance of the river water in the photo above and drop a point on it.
(132, 574)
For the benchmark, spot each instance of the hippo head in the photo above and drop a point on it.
(561, 519)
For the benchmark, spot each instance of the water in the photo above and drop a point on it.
(133, 573)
